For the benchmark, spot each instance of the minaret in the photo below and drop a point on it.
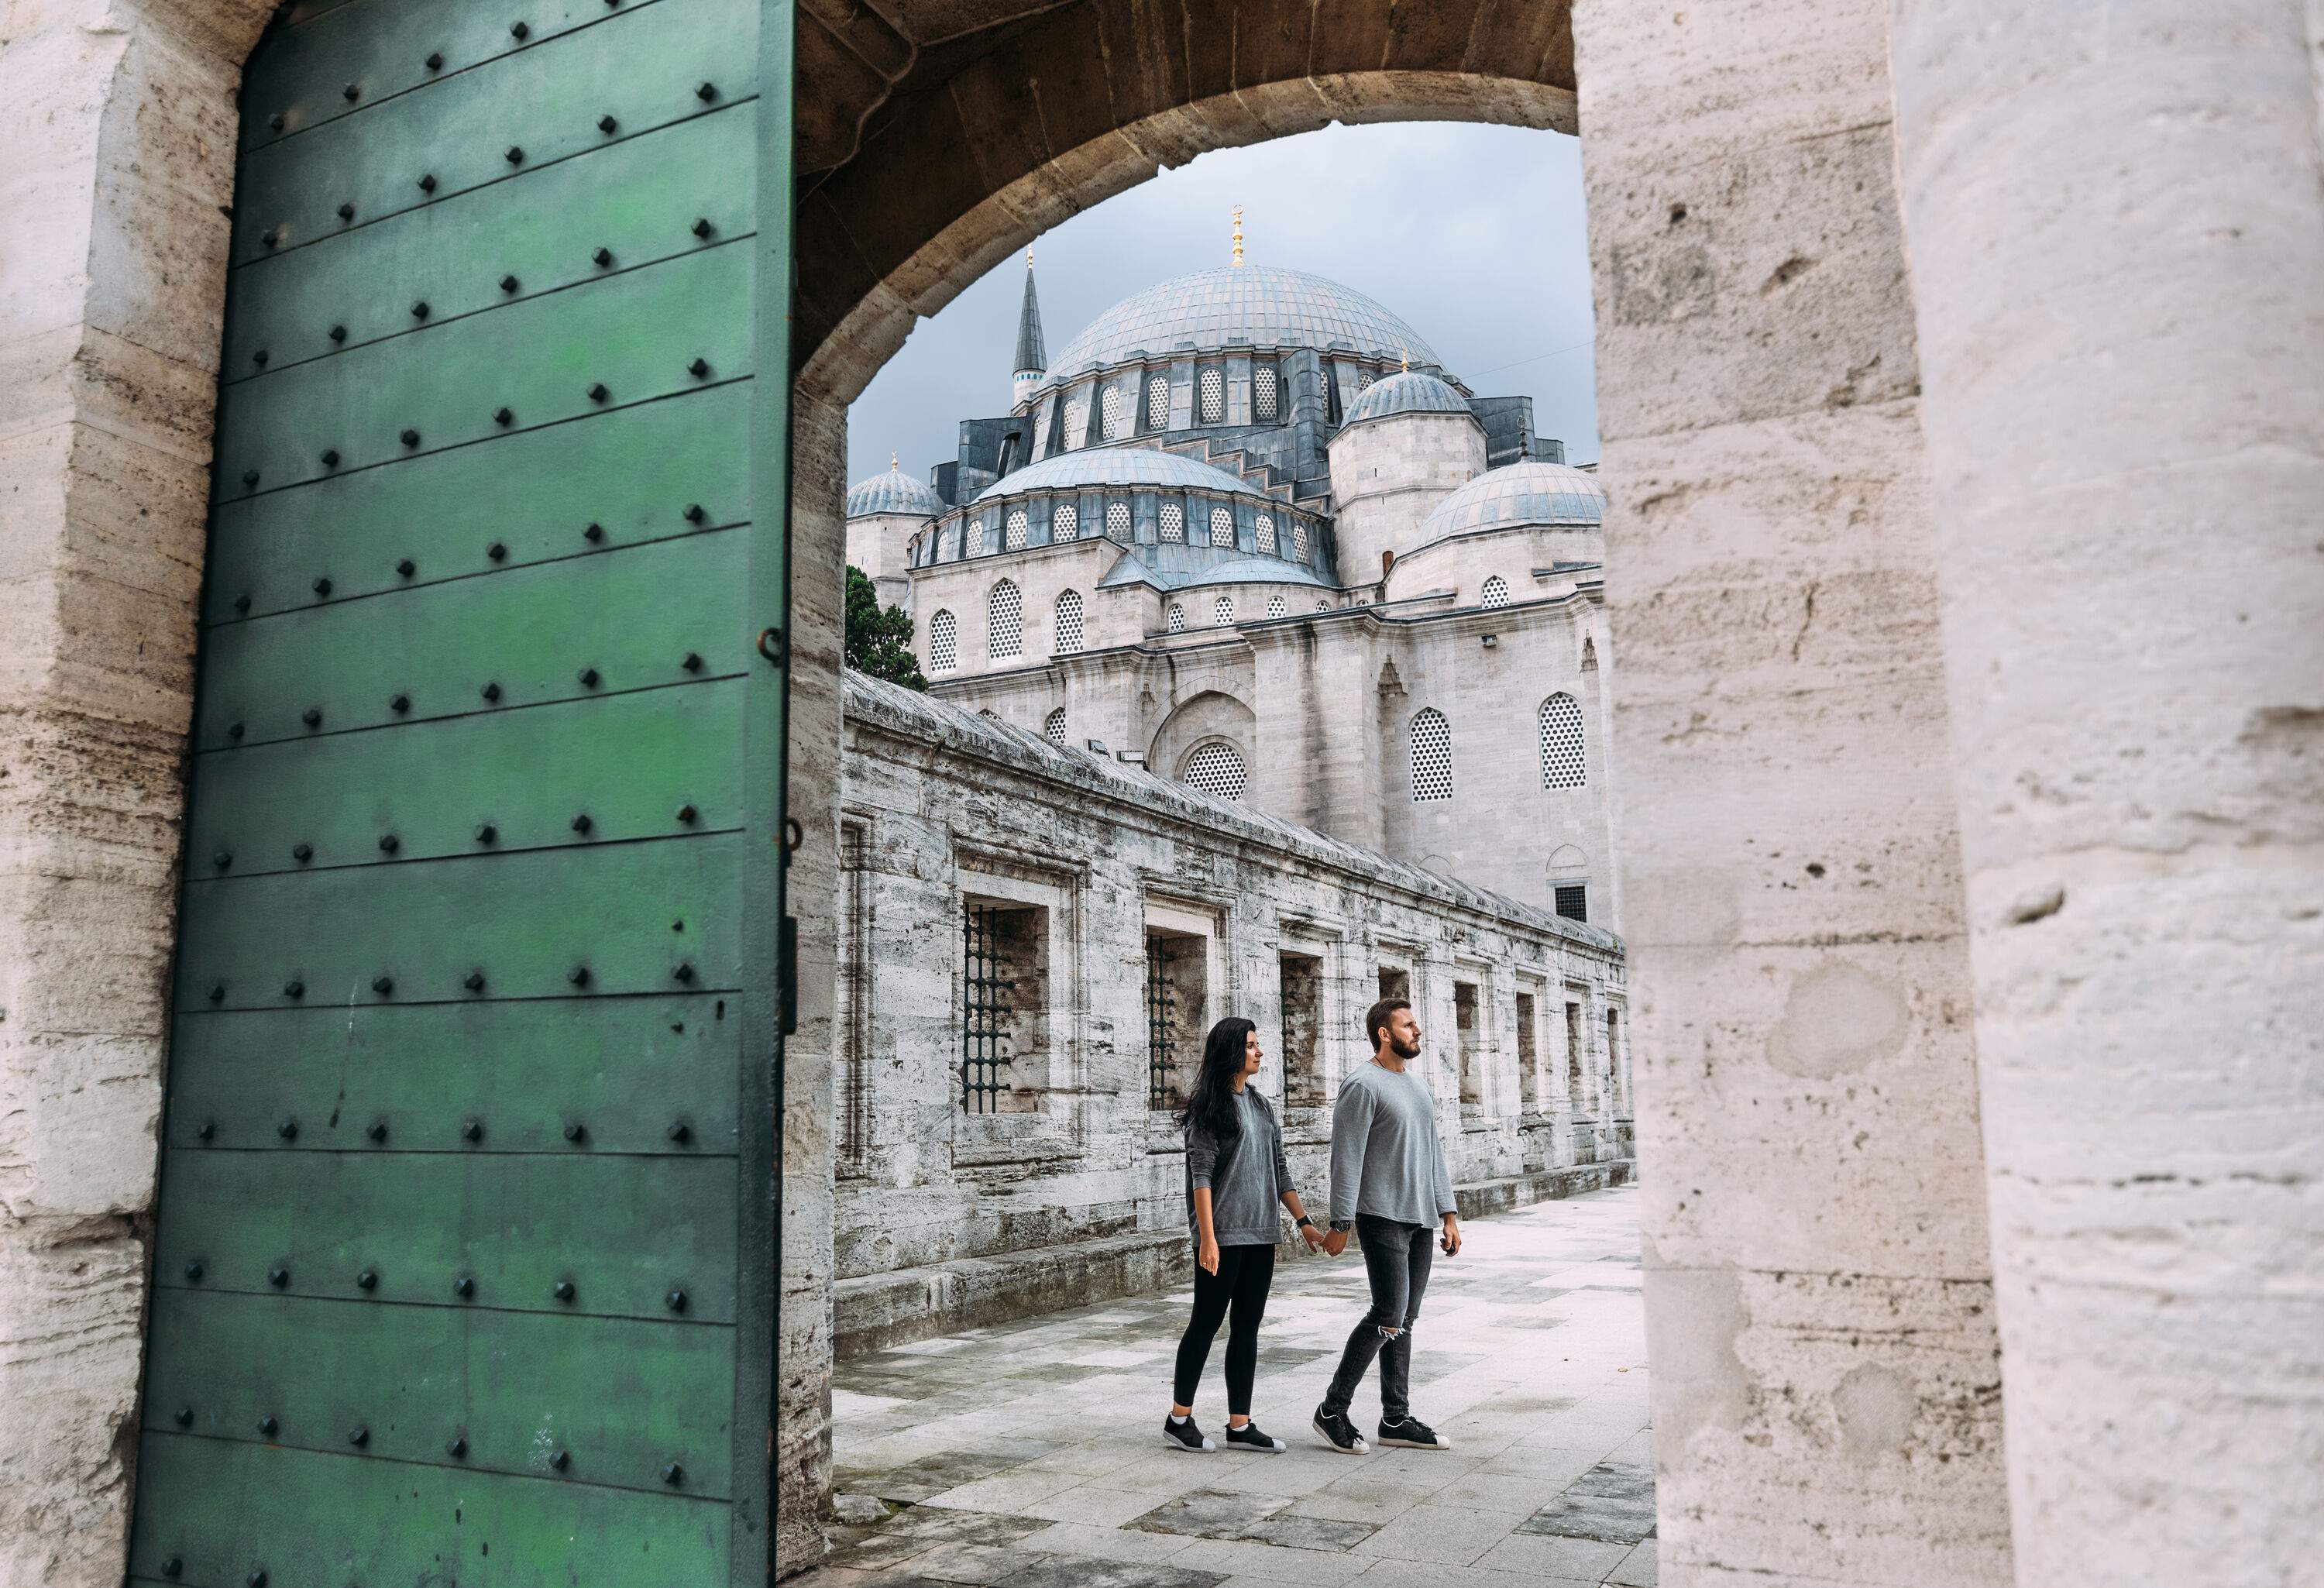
(1032, 356)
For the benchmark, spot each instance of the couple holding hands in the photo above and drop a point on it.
(1389, 1187)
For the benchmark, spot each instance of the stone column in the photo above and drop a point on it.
(2116, 220)
(1819, 1306)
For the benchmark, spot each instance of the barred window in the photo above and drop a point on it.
(1213, 387)
(1117, 519)
(1069, 622)
(1065, 521)
(1053, 726)
(1573, 903)
(1157, 404)
(1222, 611)
(1174, 521)
(1114, 416)
(1077, 422)
(1431, 756)
(1364, 378)
(1561, 762)
(976, 539)
(1018, 529)
(1322, 605)
(1216, 769)
(1496, 592)
(1177, 623)
(1265, 533)
(1004, 622)
(1262, 391)
(1275, 607)
(1221, 527)
(1298, 541)
(944, 642)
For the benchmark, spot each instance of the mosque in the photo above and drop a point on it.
(1247, 531)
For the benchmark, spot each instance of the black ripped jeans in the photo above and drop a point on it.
(1244, 1276)
(1397, 1260)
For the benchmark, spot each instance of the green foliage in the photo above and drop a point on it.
(879, 638)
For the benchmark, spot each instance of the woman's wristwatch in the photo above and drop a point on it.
(1306, 1222)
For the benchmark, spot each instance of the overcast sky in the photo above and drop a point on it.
(1472, 233)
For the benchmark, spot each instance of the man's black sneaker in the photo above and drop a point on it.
(1338, 1432)
(1185, 1436)
(1248, 1437)
(1412, 1433)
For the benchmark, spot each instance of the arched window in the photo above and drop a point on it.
(976, 539)
(1563, 765)
(1076, 422)
(1216, 769)
(944, 642)
(1069, 622)
(1298, 541)
(1222, 612)
(1322, 605)
(1262, 392)
(1117, 519)
(1064, 522)
(1496, 592)
(1275, 607)
(1221, 527)
(1174, 521)
(1431, 756)
(1263, 530)
(1004, 622)
(1017, 528)
(1213, 388)
(1112, 408)
(1157, 404)
(1177, 623)
(1053, 727)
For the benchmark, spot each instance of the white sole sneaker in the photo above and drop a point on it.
(1171, 1444)
(1442, 1443)
(1358, 1448)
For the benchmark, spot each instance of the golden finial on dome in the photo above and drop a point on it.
(893, 465)
(1238, 234)
(1407, 354)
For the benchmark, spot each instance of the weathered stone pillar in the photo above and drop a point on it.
(1818, 1290)
(2116, 219)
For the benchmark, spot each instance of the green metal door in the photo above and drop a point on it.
(464, 1261)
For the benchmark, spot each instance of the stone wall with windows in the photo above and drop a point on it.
(1034, 941)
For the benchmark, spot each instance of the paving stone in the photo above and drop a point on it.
(1613, 1502)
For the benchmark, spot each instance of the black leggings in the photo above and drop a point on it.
(1245, 1273)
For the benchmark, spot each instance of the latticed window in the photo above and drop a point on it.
(1431, 756)
(1161, 1019)
(1177, 621)
(1076, 423)
(1364, 378)
(1158, 405)
(1298, 541)
(983, 1014)
(1004, 622)
(1117, 519)
(1116, 413)
(1322, 605)
(1262, 391)
(1496, 592)
(944, 642)
(1213, 388)
(1574, 904)
(1174, 521)
(1221, 527)
(1053, 726)
(1561, 762)
(1275, 607)
(1065, 521)
(1222, 611)
(1216, 769)
(1264, 532)
(1019, 529)
(1069, 623)
(976, 539)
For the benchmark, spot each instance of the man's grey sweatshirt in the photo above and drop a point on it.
(1386, 1159)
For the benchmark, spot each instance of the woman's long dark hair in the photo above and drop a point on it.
(1212, 1103)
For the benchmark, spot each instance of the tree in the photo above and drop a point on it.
(879, 638)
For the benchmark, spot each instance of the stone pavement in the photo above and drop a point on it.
(1031, 1453)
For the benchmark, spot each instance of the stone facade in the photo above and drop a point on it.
(950, 1212)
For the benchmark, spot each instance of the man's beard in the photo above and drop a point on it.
(1404, 1049)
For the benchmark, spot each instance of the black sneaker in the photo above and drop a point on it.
(1338, 1432)
(1412, 1433)
(1185, 1436)
(1248, 1437)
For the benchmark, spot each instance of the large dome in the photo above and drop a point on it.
(1527, 491)
(892, 492)
(1118, 465)
(1255, 304)
(1412, 392)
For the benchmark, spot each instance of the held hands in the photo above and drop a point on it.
(1316, 1240)
(1208, 1255)
(1335, 1243)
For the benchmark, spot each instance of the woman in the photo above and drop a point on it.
(1235, 1175)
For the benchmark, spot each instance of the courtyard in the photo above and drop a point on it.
(1027, 1454)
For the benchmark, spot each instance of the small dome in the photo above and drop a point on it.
(1527, 491)
(1125, 466)
(1412, 392)
(1259, 305)
(892, 492)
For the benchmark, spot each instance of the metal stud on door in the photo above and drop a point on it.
(466, 1244)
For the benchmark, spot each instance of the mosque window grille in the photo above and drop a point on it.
(1322, 605)
(1117, 520)
(1496, 592)
(1275, 606)
(976, 539)
(1174, 521)
(1573, 903)
(1019, 528)
(1157, 404)
(1116, 411)
(944, 642)
(1161, 1011)
(1431, 756)
(1064, 522)
(1069, 628)
(1262, 393)
(1298, 542)
(1364, 378)
(1177, 622)
(1213, 388)
(984, 1013)
(1217, 770)
(1076, 424)
(1222, 612)
(1004, 622)
(1563, 764)
(1221, 527)
(1263, 531)
(1053, 726)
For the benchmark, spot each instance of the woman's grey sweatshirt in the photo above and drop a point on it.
(1245, 1189)
(1386, 1159)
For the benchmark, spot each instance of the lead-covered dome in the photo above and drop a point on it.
(1118, 465)
(892, 492)
(1255, 304)
(1412, 392)
(1527, 491)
